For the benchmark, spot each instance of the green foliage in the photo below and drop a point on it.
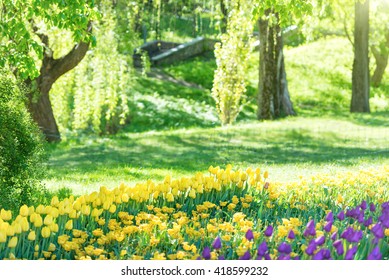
(288, 12)
(94, 97)
(19, 28)
(21, 150)
(199, 70)
(231, 59)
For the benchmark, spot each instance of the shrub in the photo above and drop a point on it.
(21, 149)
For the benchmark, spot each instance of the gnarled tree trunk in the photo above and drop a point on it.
(39, 103)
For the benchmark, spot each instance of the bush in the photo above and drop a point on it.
(21, 149)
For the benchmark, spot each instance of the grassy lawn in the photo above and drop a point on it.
(174, 129)
(288, 149)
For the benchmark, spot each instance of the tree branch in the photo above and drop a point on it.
(66, 63)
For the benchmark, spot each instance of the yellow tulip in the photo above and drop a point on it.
(54, 212)
(24, 224)
(54, 227)
(38, 221)
(192, 193)
(77, 205)
(13, 242)
(17, 228)
(125, 197)
(31, 236)
(4, 226)
(73, 214)
(11, 230)
(48, 220)
(6, 215)
(40, 209)
(170, 197)
(112, 209)
(31, 210)
(3, 236)
(45, 232)
(51, 247)
(69, 225)
(54, 201)
(85, 210)
(24, 211)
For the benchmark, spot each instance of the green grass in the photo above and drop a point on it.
(174, 129)
(287, 148)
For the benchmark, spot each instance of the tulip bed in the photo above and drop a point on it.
(223, 214)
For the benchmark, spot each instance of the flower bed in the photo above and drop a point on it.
(224, 214)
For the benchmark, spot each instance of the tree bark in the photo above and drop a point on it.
(273, 97)
(39, 103)
(360, 73)
(381, 56)
(224, 20)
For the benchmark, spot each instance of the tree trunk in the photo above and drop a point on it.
(273, 97)
(360, 74)
(381, 56)
(265, 80)
(224, 19)
(39, 103)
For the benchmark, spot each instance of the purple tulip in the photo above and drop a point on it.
(323, 254)
(246, 256)
(364, 205)
(334, 235)
(361, 219)
(372, 207)
(221, 258)
(378, 230)
(320, 240)
(311, 248)
(326, 254)
(318, 256)
(284, 257)
(341, 216)
(269, 231)
(206, 253)
(350, 254)
(384, 219)
(347, 233)
(284, 248)
(249, 235)
(310, 229)
(350, 213)
(375, 254)
(262, 249)
(217, 243)
(338, 244)
(327, 227)
(267, 257)
(330, 217)
(291, 234)
(368, 222)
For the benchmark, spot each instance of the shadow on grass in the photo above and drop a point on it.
(193, 152)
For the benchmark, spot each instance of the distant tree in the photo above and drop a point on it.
(379, 34)
(232, 55)
(25, 48)
(360, 73)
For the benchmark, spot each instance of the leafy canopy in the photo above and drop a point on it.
(20, 44)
